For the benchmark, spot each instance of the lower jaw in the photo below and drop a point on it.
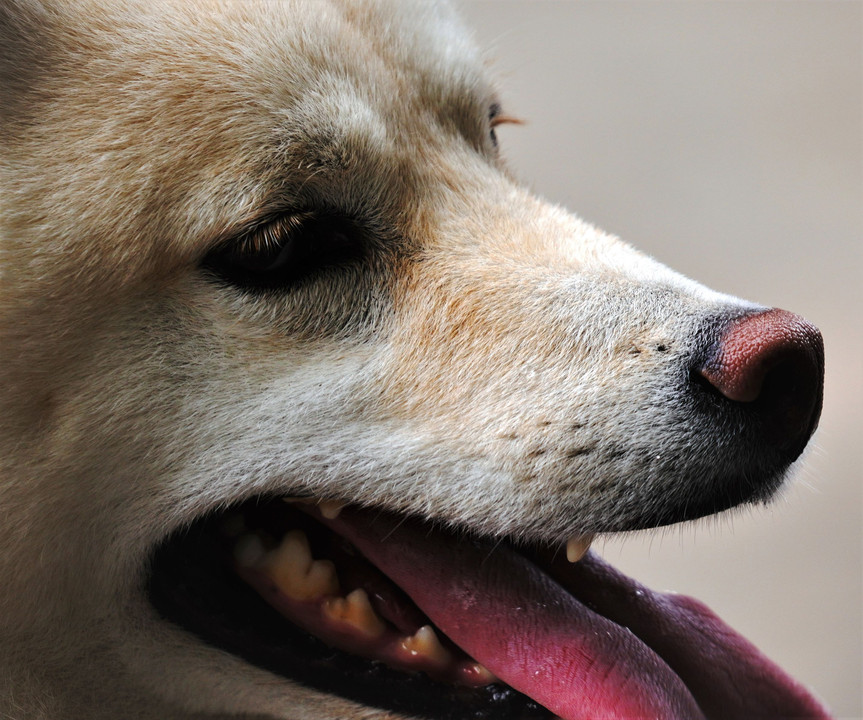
(195, 584)
(581, 639)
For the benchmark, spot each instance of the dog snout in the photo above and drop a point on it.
(771, 365)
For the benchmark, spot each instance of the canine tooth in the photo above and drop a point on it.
(356, 611)
(330, 509)
(424, 643)
(577, 547)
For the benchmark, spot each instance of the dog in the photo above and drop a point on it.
(310, 411)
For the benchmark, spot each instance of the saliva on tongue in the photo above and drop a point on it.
(654, 656)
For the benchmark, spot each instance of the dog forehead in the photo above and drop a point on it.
(266, 46)
(199, 109)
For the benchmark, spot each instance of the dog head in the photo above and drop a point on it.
(256, 251)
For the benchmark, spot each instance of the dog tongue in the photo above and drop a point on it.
(536, 636)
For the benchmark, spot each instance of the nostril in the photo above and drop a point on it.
(773, 361)
(773, 344)
(756, 346)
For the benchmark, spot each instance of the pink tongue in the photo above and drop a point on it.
(506, 613)
(728, 676)
(535, 634)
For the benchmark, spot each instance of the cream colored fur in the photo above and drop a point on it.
(482, 371)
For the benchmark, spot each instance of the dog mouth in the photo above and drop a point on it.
(398, 613)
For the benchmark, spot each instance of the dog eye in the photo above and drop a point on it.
(283, 251)
(493, 114)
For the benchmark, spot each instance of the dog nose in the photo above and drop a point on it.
(771, 362)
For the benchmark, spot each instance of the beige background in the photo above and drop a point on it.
(724, 138)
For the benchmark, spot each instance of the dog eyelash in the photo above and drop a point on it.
(285, 250)
(270, 237)
(505, 120)
(497, 117)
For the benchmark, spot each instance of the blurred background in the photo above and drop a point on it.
(726, 140)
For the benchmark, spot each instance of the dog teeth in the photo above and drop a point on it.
(577, 547)
(424, 644)
(330, 509)
(294, 571)
(480, 675)
(355, 610)
(321, 579)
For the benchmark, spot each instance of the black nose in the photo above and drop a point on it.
(772, 363)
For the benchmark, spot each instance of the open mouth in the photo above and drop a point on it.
(401, 614)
